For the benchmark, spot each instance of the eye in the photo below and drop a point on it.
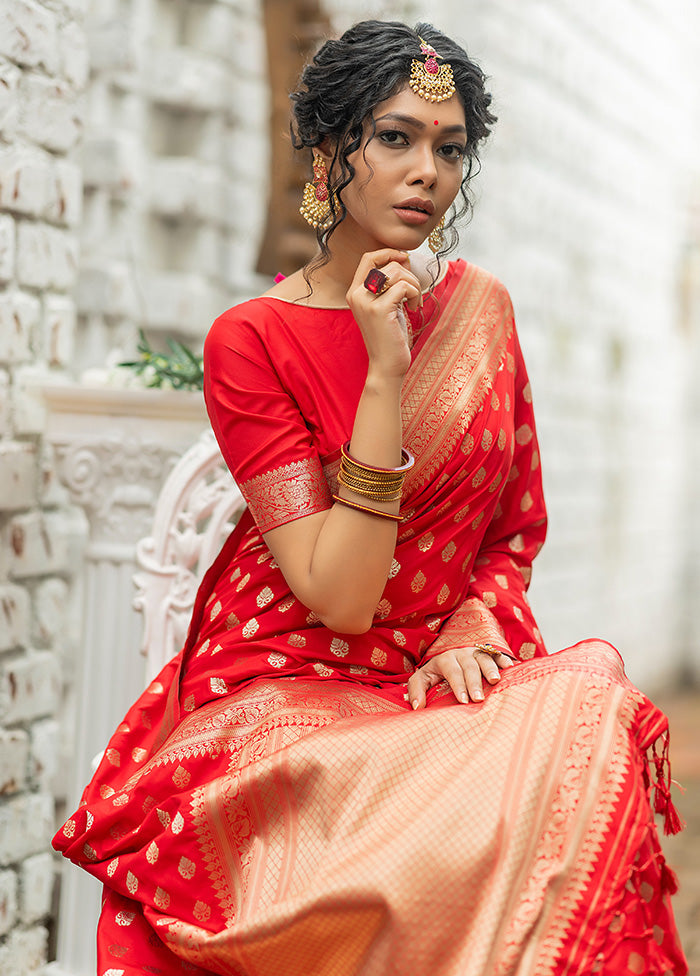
(452, 151)
(393, 137)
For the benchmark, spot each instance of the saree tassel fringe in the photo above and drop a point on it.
(663, 804)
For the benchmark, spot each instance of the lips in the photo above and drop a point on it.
(417, 205)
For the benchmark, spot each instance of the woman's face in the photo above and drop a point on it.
(408, 174)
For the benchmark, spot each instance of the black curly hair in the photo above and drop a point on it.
(349, 76)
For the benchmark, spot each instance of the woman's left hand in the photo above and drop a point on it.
(463, 668)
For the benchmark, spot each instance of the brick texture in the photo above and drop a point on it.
(43, 71)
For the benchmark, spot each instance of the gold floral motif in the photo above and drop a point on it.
(323, 670)
(399, 638)
(138, 754)
(486, 440)
(112, 867)
(507, 403)
(264, 597)
(201, 911)
(189, 703)
(517, 543)
(186, 868)
(418, 581)
(383, 609)
(501, 440)
(502, 580)
(204, 648)
(339, 647)
(526, 502)
(69, 828)
(443, 594)
(232, 621)
(218, 686)
(215, 610)
(181, 777)
(489, 599)
(287, 493)
(527, 650)
(152, 852)
(243, 582)
(523, 434)
(478, 478)
(395, 567)
(132, 882)
(161, 899)
(112, 756)
(494, 485)
(164, 818)
(178, 823)
(426, 542)
(215, 649)
(124, 918)
(378, 657)
(287, 605)
(251, 628)
(296, 640)
(277, 660)
(89, 852)
(448, 552)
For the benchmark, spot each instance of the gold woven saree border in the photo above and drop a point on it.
(287, 493)
(453, 371)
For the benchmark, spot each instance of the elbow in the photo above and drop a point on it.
(347, 623)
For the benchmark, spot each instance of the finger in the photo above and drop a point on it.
(488, 667)
(403, 291)
(472, 674)
(377, 259)
(453, 672)
(419, 684)
(503, 660)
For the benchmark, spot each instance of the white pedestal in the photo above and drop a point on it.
(114, 449)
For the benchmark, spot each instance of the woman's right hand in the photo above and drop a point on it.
(380, 316)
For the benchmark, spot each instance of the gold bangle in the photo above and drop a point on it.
(406, 457)
(369, 511)
(378, 493)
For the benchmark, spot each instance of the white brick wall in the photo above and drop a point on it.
(42, 70)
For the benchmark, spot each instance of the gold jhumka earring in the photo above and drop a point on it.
(315, 205)
(432, 81)
(436, 238)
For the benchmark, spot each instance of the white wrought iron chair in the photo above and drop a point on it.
(197, 508)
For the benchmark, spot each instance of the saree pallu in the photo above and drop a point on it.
(271, 805)
(319, 830)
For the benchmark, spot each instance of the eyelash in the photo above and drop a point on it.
(398, 132)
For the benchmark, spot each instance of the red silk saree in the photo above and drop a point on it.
(271, 804)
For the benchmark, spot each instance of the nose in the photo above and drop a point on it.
(423, 171)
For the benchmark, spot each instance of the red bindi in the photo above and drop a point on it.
(436, 122)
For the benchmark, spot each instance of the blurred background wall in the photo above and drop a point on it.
(146, 181)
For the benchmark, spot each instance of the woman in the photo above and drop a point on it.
(322, 782)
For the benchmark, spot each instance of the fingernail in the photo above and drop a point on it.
(464, 697)
(414, 703)
(479, 696)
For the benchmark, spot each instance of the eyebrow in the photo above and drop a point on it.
(416, 123)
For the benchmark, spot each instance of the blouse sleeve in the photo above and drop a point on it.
(260, 430)
(496, 609)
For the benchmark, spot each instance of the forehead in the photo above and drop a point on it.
(407, 102)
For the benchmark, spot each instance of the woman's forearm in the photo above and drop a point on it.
(338, 563)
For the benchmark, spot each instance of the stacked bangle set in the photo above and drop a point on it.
(372, 483)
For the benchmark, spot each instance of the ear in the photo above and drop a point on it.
(326, 150)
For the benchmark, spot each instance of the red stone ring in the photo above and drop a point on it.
(376, 281)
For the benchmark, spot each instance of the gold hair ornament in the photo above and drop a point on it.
(429, 79)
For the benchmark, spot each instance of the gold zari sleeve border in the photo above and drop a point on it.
(289, 492)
